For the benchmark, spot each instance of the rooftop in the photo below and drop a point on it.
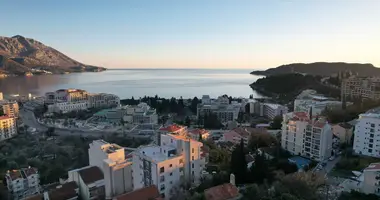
(222, 192)
(36, 197)
(172, 128)
(3, 117)
(63, 192)
(30, 171)
(199, 131)
(373, 166)
(157, 153)
(91, 174)
(147, 193)
(15, 174)
(272, 105)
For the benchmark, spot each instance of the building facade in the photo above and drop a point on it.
(100, 150)
(90, 181)
(344, 132)
(175, 162)
(306, 136)
(361, 87)
(8, 127)
(366, 135)
(23, 183)
(103, 100)
(10, 109)
(225, 110)
(371, 181)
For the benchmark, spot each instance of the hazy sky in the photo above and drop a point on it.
(200, 33)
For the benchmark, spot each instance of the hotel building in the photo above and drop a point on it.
(224, 110)
(9, 108)
(103, 100)
(367, 134)
(8, 127)
(361, 87)
(306, 136)
(177, 161)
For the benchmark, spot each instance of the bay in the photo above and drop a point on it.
(126, 83)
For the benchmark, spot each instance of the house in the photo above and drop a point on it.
(67, 191)
(237, 134)
(147, 193)
(371, 181)
(90, 180)
(23, 183)
(343, 131)
(226, 191)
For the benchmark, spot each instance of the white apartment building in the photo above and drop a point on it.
(140, 114)
(23, 183)
(66, 107)
(271, 110)
(309, 99)
(8, 127)
(224, 110)
(306, 136)
(10, 108)
(361, 87)
(367, 135)
(103, 100)
(177, 161)
(371, 181)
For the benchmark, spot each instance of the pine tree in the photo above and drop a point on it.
(239, 164)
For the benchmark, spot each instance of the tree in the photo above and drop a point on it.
(277, 122)
(187, 121)
(239, 164)
(50, 131)
(194, 105)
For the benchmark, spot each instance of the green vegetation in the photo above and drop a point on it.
(276, 123)
(239, 164)
(210, 121)
(351, 112)
(284, 88)
(53, 156)
(354, 195)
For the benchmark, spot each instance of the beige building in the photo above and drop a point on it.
(10, 109)
(361, 87)
(103, 100)
(371, 181)
(90, 181)
(343, 131)
(8, 127)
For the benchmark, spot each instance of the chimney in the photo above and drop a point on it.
(232, 179)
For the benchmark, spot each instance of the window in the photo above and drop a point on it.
(372, 125)
(370, 145)
(162, 187)
(171, 182)
(162, 179)
(171, 173)
(170, 165)
(192, 157)
(192, 150)
(192, 165)
(162, 170)
(369, 150)
(370, 140)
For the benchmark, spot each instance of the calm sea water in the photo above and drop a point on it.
(126, 83)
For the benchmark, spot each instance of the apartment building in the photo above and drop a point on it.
(309, 100)
(8, 127)
(10, 108)
(224, 110)
(171, 129)
(23, 182)
(371, 179)
(361, 87)
(140, 114)
(343, 131)
(367, 134)
(100, 100)
(101, 150)
(236, 135)
(176, 161)
(66, 107)
(90, 180)
(307, 136)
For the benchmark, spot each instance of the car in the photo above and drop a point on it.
(331, 158)
(323, 164)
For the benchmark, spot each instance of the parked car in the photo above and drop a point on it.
(331, 158)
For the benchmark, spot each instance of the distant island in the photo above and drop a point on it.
(25, 56)
(322, 69)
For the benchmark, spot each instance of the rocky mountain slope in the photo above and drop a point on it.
(322, 69)
(19, 55)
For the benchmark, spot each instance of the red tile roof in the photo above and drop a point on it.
(15, 174)
(91, 174)
(171, 128)
(4, 117)
(199, 131)
(66, 191)
(147, 193)
(222, 192)
(30, 171)
(300, 116)
(242, 132)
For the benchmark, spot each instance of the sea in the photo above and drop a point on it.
(127, 83)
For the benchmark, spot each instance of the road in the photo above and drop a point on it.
(29, 119)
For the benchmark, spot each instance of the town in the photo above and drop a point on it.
(72, 144)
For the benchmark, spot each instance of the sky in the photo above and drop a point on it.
(254, 34)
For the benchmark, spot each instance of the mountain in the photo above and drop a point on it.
(322, 69)
(19, 55)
